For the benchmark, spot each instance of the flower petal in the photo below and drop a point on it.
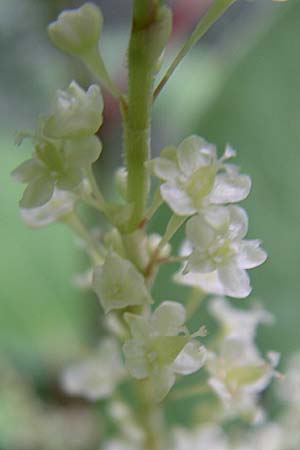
(199, 233)
(177, 199)
(168, 318)
(230, 188)
(235, 280)
(164, 168)
(37, 193)
(27, 171)
(250, 254)
(238, 225)
(190, 359)
(207, 282)
(194, 152)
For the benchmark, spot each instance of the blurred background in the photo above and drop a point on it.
(240, 85)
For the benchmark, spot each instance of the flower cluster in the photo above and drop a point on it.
(159, 348)
(197, 183)
(153, 344)
(237, 371)
(65, 146)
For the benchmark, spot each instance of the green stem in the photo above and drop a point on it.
(95, 190)
(79, 228)
(173, 226)
(95, 64)
(215, 11)
(149, 33)
(151, 416)
(157, 201)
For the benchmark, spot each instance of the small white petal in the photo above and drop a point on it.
(190, 359)
(238, 226)
(97, 376)
(207, 282)
(194, 152)
(165, 169)
(61, 203)
(229, 152)
(238, 324)
(218, 217)
(220, 389)
(250, 254)
(199, 232)
(168, 318)
(230, 188)
(177, 199)
(200, 262)
(235, 280)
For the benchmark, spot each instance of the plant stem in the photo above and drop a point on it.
(95, 64)
(151, 417)
(215, 11)
(149, 33)
(95, 189)
(83, 233)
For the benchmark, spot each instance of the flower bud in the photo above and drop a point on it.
(76, 113)
(77, 31)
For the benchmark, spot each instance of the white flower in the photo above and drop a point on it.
(157, 350)
(219, 249)
(288, 388)
(194, 178)
(206, 438)
(119, 284)
(60, 204)
(97, 376)
(268, 437)
(77, 30)
(238, 373)
(238, 323)
(117, 444)
(207, 282)
(76, 113)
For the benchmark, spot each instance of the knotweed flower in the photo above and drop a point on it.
(237, 323)
(158, 348)
(61, 204)
(97, 376)
(216, 237)
(118, 284)
(76, 31)
(55, 164)
(76, 113)
(208, 437)
(193, 177)
(238, 374)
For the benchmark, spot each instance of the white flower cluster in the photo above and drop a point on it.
(158, 349)
(195, 182)
(65, 147)
(97, 375)
(237, 371)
